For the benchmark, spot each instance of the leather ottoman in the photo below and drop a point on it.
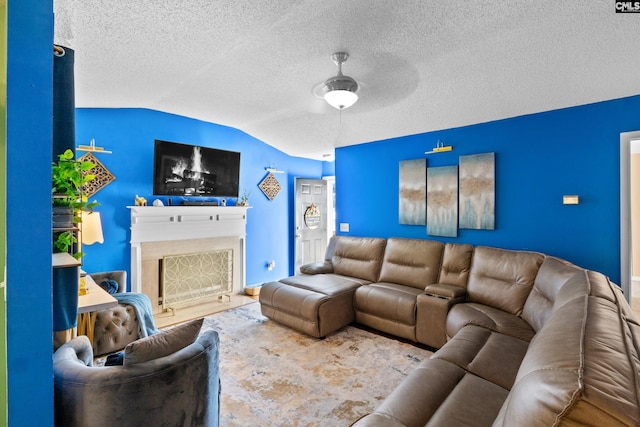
(311, 304)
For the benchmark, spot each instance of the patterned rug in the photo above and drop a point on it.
(274, 376)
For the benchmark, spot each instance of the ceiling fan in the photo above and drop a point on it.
(340, 90)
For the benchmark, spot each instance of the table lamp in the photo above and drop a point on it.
(90, 233)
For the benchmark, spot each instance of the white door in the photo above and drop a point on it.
(310, 221)
(627, 223)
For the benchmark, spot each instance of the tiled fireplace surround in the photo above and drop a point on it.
(158, 232)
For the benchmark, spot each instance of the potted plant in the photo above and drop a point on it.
(68, 176)
(244, 200)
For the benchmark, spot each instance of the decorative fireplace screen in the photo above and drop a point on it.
(187, 278)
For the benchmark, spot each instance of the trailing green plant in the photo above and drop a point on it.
(63, 240)
(68, 176)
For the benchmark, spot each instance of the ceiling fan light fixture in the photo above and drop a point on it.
(340, 90)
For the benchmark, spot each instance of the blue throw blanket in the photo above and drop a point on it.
(142, 305)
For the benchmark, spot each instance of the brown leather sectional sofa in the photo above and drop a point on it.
(522, 338)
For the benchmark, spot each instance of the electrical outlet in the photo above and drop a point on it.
(344, 227)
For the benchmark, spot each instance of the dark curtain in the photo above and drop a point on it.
(65, 280)
(64, 103)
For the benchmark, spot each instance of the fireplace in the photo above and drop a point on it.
(185, 256)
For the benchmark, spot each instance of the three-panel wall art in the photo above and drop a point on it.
(448, 198)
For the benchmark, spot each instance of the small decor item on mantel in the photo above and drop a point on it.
(244, 200)
(141, 201)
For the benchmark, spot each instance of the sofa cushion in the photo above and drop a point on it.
(490, 355)
(438, 392)
(582, 366)
(553, 273)
(359, 257)
(411, 262)
(391, 301)
(327, 284)
(163, 343)
(456, 264)
(490, 318)
(502, 278)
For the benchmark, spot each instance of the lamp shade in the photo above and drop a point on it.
(91, 231)
(341, 99)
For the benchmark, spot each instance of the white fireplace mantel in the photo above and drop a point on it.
(172, 223)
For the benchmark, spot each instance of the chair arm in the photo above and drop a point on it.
(324, 267)
(439, 290)
(77, 350)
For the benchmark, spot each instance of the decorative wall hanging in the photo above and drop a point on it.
(103, 176)
(412, 209)
(477, 191)
(442, 201)
(270, 186)
(312, 217)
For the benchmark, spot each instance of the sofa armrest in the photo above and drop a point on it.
(324, 267)
(77, 350)
(431, 312)
(445, 291)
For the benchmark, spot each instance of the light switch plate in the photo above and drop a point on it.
(344, 227)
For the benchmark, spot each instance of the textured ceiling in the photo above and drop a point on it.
(421, 65)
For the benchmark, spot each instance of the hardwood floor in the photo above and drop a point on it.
(188, 313)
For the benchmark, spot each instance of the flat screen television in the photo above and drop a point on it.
(194, 171)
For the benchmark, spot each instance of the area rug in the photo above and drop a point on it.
(272, 375)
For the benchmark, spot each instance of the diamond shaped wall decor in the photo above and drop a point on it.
(270, 186)
(103, 176)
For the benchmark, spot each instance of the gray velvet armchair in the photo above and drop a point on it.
(114, 327)
(181, 389)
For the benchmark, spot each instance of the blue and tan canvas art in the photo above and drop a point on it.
(477, 191)
(442, 201)
(413, 192)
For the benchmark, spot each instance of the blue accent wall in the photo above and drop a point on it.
(28, 263)
(539, 158)
(130, 135)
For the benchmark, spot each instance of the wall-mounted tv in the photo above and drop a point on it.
(194, 171)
